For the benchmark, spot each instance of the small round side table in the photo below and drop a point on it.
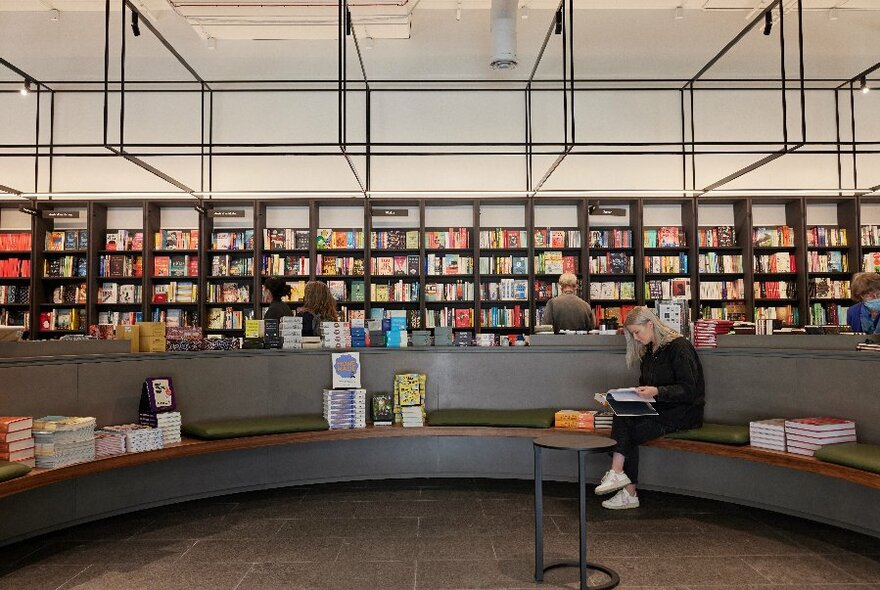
(583, 444)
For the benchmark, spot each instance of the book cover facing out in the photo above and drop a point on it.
(157, 395)
(346, 370)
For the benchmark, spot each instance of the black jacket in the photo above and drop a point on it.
(677, 373)
(277, 310)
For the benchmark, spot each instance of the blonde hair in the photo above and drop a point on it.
(318, 300)
(864, 283)
(663, 334)
(568, 281)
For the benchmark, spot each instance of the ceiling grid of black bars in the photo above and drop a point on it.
(561, 25)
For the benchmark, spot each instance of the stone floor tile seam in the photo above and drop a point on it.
(243, 576)
(73, 577)
(754, 569)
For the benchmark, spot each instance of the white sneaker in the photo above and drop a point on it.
(621, 501)
(611, 482)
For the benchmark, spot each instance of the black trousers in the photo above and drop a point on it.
(630, 432)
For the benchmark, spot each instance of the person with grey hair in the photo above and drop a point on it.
(567, 311)
(864, 316)
(672, 377)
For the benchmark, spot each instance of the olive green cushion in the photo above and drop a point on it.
(217, 429)
(715, 433)
(10, 470)
(533, 418)
(858, 455)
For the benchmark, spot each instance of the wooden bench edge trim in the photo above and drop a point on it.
(774, 458)
(192, 447)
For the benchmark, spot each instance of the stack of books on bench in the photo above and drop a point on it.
(109, 443)
(768, 434)
(158, 409)
(139, 438)
(16, 439)
(409, 399)
(61, 441)
(345, 408)
(805, 436)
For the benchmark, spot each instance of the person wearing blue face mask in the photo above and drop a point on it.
(864, 316)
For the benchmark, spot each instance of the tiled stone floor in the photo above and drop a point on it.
(421, 534)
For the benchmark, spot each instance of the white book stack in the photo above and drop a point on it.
(412, 416)
(805, 436)
(167, 422)
(768, 434)
(108, 443)
(61, 441)
(311, 342)
(336, 334)
(345, 408)
(603, 420)
(290, 330)
(139, 438)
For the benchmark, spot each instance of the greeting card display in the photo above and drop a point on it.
(157, 395)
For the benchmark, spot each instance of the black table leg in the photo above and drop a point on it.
(539, 517)
(582, 516)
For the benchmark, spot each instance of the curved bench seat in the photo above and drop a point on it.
(203, 468)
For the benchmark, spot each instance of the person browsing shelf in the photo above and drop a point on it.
(672, 377)
(318, 306)
(274, 291)
(567, 311)
(864, 316)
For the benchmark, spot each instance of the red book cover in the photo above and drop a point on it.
(15, 423)
(462, 318)
(820, 423)
(192, 266)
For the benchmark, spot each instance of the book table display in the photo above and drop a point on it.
(584, 445)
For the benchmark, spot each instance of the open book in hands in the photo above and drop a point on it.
(626, 402)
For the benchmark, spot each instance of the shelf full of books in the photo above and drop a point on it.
(439, 267)
(15, 275)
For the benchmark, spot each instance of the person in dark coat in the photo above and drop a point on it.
(672, 378)
(275, 290)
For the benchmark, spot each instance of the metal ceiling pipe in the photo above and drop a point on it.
(503, 25)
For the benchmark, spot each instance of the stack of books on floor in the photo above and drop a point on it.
(577, 419)
(768, 434)
(602, 420)
(805, 436)
(345, 408)
(61, 441)
(167, 422)
(109, 443)
(139, 438)
(16, 439)
(291, 332)
(706, 332)
(336, 334)
(409, 399)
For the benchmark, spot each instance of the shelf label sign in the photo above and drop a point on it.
(226, 212)
(60, 214)
(383, 212)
